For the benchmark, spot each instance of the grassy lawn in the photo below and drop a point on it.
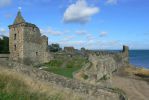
(65, 66)
(67, 72)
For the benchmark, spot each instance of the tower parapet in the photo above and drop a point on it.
(125, 48)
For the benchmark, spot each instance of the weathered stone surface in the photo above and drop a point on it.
(101, 65)
(26, 43)
(98, 68)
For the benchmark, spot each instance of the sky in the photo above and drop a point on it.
(93, 24)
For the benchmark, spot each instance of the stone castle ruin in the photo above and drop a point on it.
(26, 44)
(102, 64)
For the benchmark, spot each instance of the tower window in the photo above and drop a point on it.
(36, 53)
(34, 29)
(15, 47)
(15, 35)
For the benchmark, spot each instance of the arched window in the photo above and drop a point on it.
(36, 53)
(15, 36)
(15, 47)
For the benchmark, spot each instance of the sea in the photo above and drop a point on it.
(139, 58)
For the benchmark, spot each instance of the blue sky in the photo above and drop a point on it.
(93, 24)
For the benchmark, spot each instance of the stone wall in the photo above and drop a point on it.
(16, 42)
(27, 45)
(4, 57)
(102, 64)
(104, 93)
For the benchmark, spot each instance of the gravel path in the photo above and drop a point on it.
(134, 89)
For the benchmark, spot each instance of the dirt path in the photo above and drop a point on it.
(135, 89)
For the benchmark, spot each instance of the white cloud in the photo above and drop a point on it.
(68, 38)
(92, 43)
(4, 3)
(81, 32)
(113, 2)
(73, 43)
(8, 15)
(50, 31)
(102, 34)
(3, 31)
(90, 37)
(79, 12)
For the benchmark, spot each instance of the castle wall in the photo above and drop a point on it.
(35, 46)
(16, 42)
(102, 64)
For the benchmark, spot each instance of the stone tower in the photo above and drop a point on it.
(26, 43)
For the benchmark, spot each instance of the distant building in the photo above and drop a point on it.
(26, 44)
(69, 49)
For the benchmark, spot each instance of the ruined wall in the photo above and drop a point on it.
(101, 65)
(35, 46)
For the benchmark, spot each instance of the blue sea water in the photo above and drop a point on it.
(139, 58)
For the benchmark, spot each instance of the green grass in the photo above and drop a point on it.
(67, 72)
(66, 66)
(13, 89)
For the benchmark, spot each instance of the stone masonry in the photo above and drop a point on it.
(26, 43)
(102, 64)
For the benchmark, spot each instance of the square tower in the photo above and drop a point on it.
(26, 43)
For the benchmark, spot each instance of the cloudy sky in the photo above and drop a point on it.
(93, 24)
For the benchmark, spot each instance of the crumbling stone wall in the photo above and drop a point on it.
(101, 65)
(35, 47)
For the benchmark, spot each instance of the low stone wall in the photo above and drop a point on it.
(104, 93)
(4, 57)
